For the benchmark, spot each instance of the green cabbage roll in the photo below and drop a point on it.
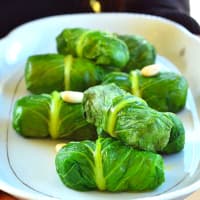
(128, 118)
(108, 164)
(166, 91)
(141, 52)
(49, 72)
(45, 115)
(177, 135)
(101, 47)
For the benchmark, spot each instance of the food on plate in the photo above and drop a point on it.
(72, 96)
(150, 70)
(164, 91)
(101, 47)
(107, 107)
(49, 72)
(141, 52)
(177, 136)
(130, 119)
(108, 164)
(47, 115)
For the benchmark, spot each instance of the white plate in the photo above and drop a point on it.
(27, 165)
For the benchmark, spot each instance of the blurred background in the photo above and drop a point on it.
(16, 12)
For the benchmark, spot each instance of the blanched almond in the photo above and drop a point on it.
(150, 70)
(72, 96)
(59, 146)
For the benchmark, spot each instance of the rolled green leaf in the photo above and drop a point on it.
(101, 47)
(121, 79)
(126, 117)
(45, 115)
(166, 91)
(177, 136)
(141, 52)
(108, 164)
(49, 72)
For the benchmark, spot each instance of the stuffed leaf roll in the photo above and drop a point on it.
(49, 72)
(127, 118)
(166, 91)
(99, 46)
(177, 135)
(141, 52)
(108, 164)
(45, 115)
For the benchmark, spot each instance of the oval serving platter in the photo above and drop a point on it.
(27, 167)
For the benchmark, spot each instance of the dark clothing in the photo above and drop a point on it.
(16, 12)
(176, 10)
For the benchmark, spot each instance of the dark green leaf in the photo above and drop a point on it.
(101, 47)
(107, 164)
(46, 73)
(126, 117)
(44, 115)
(141, 52)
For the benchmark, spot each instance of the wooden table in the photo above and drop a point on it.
(4, 196)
